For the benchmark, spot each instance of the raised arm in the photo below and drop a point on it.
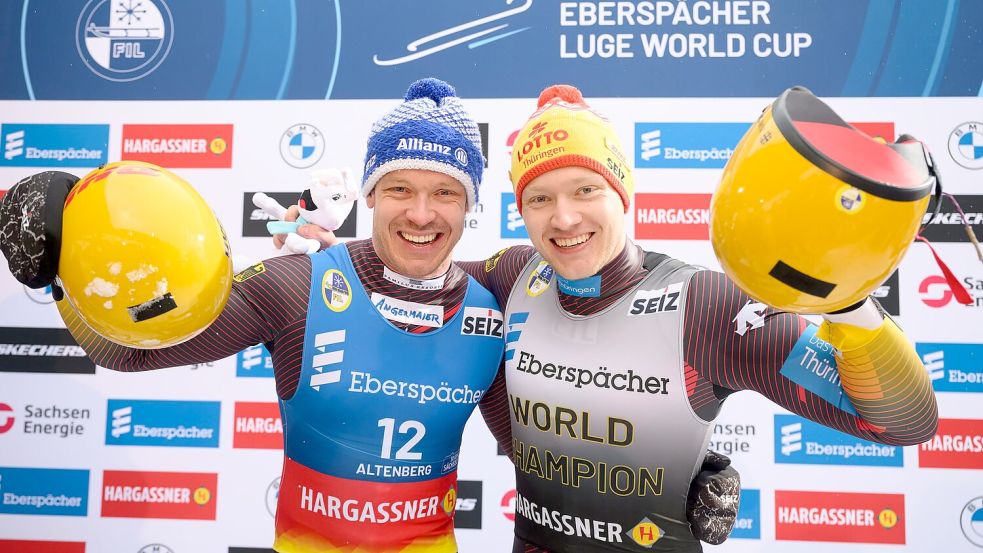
(865, 380)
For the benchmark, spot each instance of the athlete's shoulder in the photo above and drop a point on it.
(287, 267)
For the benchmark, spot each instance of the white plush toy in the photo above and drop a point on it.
(326, 203)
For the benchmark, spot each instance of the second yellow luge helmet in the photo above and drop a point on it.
(144, 260)
(811, 215)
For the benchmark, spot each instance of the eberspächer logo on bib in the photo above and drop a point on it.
(124, 40)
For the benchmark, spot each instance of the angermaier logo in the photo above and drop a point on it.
(124, 40)
(474, 33)
(408, 312)
(686, 145)
(163, 423)
(953, 367)
(37, 145)
(36, 491)
(801, 441)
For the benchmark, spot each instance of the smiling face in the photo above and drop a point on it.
(417, 220)
(575, 219)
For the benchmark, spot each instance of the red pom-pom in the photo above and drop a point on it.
(565, 92)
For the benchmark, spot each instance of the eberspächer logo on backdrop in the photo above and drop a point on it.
(179, 146)
(31, 145)
(254, 362)
(801, 441)
(254, 219)
(302, 145)
(748, 523)
(953, 367)
(124, 40)
(34, 491)
(42, 350)
(966, 145)
(163, 423)
(171, 495)
(686, 145)
(672, 216)
(512, 224)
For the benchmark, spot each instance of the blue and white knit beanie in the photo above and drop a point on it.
(430, 130)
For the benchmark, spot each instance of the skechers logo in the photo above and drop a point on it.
(661, 300)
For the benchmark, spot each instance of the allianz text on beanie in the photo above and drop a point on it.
(430, 130)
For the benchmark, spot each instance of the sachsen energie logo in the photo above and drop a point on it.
(257, 426)
(29, 145)
(686, 145)
(957, 445)
(801, 441)
(839, 517)
(672, 216)
(953, 367)
(163, 423)
(173, 495)
(30, 491)
(179, 146)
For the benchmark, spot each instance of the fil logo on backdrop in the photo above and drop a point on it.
(124, 41)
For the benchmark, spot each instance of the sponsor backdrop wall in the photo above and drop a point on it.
(265, 91)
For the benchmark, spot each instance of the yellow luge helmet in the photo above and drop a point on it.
(143, 260)
(811, 215)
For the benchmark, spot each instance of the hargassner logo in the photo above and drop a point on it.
(686, 145)
(170, 495)
(328, 354)
(31, 546)
(257, 426)
(124, 40)
(163, 423)
(953, 367)
(839, 517)
(958, 444)
(254, 362)
(672, 216)
(31, 491)
(801, 441)
(191, 146)
(512, 224)
(31, 145)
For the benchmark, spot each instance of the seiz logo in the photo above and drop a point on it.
(512, 224)
(183, 146)
(953, 367)
(169, 495)
(482, 321)
(801, 441)
(163, 423)
(662, 300)
(839, 517)
(254, 362)
(35, 491)
(257, 426)
(672, 216)
(686, 145)
(34, 546)
(958, 444)
(934, 291)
